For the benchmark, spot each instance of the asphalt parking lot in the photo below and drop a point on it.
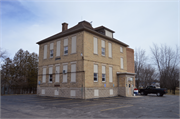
(33, 106)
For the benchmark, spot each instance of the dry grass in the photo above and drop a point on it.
(170, 93)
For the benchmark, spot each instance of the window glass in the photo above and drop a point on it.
(50, 78)
(103, 77)
(103, 51)
(66, 50)
(51, 53)
(95, 76)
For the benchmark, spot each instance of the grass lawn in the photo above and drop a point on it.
(170, 93)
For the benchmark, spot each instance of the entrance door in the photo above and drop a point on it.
(129, 88)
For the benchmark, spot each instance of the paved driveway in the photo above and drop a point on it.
(33, 106)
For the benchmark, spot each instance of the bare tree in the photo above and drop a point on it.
(167, 60)
(140, 60)
(3, 54)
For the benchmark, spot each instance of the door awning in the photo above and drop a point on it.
(125, 73)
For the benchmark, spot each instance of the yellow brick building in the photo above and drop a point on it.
(85, 62)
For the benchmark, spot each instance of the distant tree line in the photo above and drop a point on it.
(19, 75)
(163, 67)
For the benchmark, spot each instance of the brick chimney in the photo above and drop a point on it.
(64, 26)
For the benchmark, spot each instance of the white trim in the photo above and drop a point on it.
(44, 66)
(50, 66)
(73, 62)
(64, 63)
(57, 64)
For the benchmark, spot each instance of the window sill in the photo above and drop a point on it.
(104, 55)
(64, 82)
(104, 81)
(95, 54)
(73, 82)
(65, 54)
(110, 57)
(50, 82)
(95, 81)
(73, 53)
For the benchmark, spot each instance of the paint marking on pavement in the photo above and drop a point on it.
(116, 108)
(70, 102)
(92, 105)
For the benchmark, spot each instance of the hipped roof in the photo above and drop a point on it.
(81, 26)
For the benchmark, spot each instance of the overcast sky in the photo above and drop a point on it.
(138, 23)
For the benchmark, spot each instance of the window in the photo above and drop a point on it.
(73, 93)
(57, 74)
(110, 49)
(45, 51)
(96, 92)
(73, 47)
(44, 75)
(122, 65)
(103, 77)
(95, 77)
(50, 74)
(43, 91)
(51, 53)
(103, 47)
(111, 91)
(103, 51)
(95, 46)
(65, 46)
(56, 92)
(58, 48)
(66, 50)
(95, 73)
(65, 74)
(73, 72)
(103, 73)
(110, 74)
(121, 49)
(51, 50)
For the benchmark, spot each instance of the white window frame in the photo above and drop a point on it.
(104, 73)
(96, 92)
(111, 91)
(95, 45)
(44, 75)
(110, 77)
(58, 49)
(56, 92)
(66, 46)
(45, 52)
(57, 73)
(65, 50)
(43, 91)
(51, 53)
(73, 44)
(73, 93)
(95, 72)
(51, 49)
(103, 47)
(73, 73)
(122, 63)
(50, 74)
(65, 75)
(121, 49)
(110, 49)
